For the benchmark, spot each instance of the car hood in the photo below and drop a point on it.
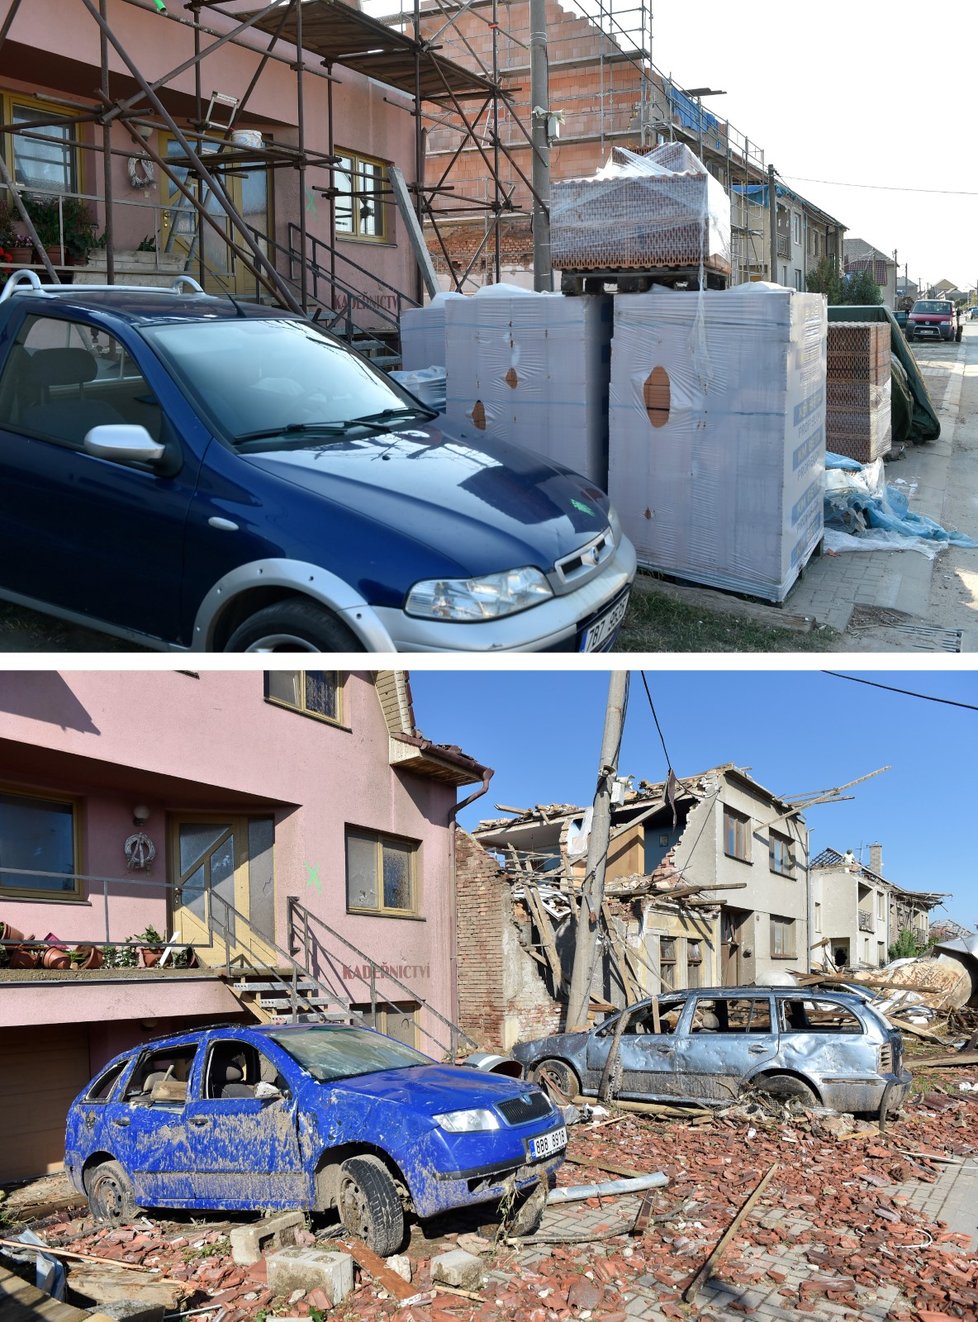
(482, 504)
(432, 1089)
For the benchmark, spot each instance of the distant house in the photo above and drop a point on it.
(862, 256)
(293, 828)
(706, 883)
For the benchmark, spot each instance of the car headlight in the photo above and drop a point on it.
(467, 1122)
(487, 598)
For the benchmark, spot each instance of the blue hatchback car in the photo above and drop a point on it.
(310, 1116)
(194, 473)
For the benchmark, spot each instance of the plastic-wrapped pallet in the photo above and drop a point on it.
(717, 433)
(423, 334)
(532, 369)
(642, 213)
(857, 399)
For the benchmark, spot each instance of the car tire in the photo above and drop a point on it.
(558, 1079)
(293, 626)
(786, 1088)
(110, 1194)
(368, 1205)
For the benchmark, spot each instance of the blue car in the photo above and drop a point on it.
(309, 1116)
(195, 473)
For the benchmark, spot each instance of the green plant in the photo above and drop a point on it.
(907, 946)
(148, 937)
(146, 245)
(8, 220)
(215, 1249)
(63, 218)
(119, 957)
(44, 215)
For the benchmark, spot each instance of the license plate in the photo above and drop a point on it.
(606, 626)
(547, 1144)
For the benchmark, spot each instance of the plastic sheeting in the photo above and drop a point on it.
(864, 513)
(717, 433)
(532, 369)
(642, 212)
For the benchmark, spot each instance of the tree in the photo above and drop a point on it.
(861, 289)
(825, 279)
(906, 946)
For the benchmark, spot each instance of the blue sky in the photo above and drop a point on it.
(798, 731)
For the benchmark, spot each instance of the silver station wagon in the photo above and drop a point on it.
(710, 1045)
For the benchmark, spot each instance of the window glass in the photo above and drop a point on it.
(780, 855)
(315, 692)
(380, 873)
(736, 834)
(782, 937)
(161, 1076)
(103, 1087)
(37, 835)
(343, 1053)
(62, 379)
(360, 206)
(46, 159)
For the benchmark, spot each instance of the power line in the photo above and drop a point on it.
(883, 188)
(907, 693)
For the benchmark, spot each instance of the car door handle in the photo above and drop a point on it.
(664, 1051)
(198, 1121)
(224, 525)
(757, 1050)
(121, 1121)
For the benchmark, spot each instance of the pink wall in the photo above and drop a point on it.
(185, 744)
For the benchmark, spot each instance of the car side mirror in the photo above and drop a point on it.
(268, 1092)
(124, 442)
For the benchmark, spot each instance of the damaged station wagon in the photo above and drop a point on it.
(710, 1045)
(308, 1116)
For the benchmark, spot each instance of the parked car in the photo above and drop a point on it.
(711, 1045)
(190, 472)
(902, 317)
(932, 318)
(309, 1116)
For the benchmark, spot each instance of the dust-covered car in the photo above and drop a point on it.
(309, 1116)
(710, 1045)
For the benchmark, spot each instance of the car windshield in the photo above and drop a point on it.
(343, 1053)
(268, 378)
(932, 305)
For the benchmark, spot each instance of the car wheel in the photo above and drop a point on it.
(786, 1088)
(368, 1204)
(110, 1194)
(558, 1079)
(293, 626)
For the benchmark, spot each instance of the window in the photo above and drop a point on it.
(397, 1021)
(736, 835)
(880, 906)
(314, 692)
(799, 280)
(744, 1014)
(380, 873)
(795, 227)
(667, 962)
(61, 379)
(780, 854)
(37, 835)
(818, 916)
(361, 211)
(47, 160)
(782, 938)
(694, 963)
(803, 1016)
(880, 953)
(161, 1076)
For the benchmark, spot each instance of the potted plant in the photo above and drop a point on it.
(78, 225)
(86, 957)
(8, 235)
(150, 946)
(45, 217)
(120, 957)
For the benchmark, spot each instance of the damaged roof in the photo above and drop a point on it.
(409, 749)
(831, 858)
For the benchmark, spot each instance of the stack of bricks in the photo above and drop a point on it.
(633, 223)
(857, 414)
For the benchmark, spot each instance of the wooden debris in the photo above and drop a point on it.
(69, 1254)
(728, 1235)
(644, 1212)
(611, 1167)
(376, 1267)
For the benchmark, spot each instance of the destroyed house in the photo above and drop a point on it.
(857, 915)
(179, 849)
(706, 884)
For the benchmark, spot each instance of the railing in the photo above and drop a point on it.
(303, 935)
(340, 295)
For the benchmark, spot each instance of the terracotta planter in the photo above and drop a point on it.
(87, 957)
(8, 933)
(22, 254)
(55, 957)
(23, 957)
(149, 956)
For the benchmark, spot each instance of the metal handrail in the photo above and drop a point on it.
(301, 938)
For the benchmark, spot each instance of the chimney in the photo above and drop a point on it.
(876, 859)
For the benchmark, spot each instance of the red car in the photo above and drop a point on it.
(932, 317)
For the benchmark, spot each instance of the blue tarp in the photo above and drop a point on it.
(863, 512)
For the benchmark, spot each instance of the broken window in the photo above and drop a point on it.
(380, 873)
(744, 1014)
(161, 1076)
(313, 692)
(736, 834)
(782, 938)
(694, 963)
(781, 854)
(104, 1086)
(814, 1016)
(237, 1069)
(667, 962)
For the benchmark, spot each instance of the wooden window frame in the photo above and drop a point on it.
(77, 892)
(783, 934)
(741, 824)
(10, 102)
(379, 839)
(774, 839)
(301, 707)
(357, 160)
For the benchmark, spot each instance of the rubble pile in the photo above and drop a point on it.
(835, 1224)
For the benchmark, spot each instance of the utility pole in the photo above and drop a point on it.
(543, 276)
(592, 890)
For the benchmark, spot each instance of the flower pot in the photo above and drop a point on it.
(23, 957)
(149, 957)
(56, 957)
(87, 957)
(8, 933)
(22, 254)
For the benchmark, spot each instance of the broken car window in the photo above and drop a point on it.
(104, 1086)
(813, 1016)
(237, 1069)
(161, 1076)
(329, 1055)
(746, 1014)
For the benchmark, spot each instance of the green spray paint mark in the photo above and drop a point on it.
(579, 505)
(312, 878)
(310, 202)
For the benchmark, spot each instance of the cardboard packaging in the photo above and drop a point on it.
(717, 433)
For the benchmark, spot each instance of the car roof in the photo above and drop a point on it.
(727, 992)
(136, 303)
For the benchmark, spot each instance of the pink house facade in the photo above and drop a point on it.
(276, 824)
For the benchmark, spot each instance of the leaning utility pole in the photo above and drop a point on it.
(592, 889)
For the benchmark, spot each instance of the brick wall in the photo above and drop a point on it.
(501, 994)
